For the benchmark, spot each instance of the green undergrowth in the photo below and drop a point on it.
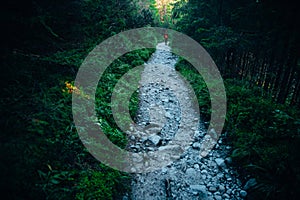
(264, 136)
(43, 157)
(112, 75)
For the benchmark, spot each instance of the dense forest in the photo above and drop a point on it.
(255, 44)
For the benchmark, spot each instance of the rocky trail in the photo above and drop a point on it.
(189, 176)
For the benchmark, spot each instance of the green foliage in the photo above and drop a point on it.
(199, 86)
(265, 136)
(249, 40)
(252, 42)
(99, 184)
(106, 86)
(47, 157)
(73, 57)
(42, 156)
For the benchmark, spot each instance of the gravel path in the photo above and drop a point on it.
(162, 113)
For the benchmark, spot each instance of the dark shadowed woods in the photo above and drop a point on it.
(255, 44)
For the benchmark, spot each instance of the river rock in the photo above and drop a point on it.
(221, 189)
(191, 176)
(220, 162)
(155, 139)
(198, 188)
(212, 189)
(191, 172)
(196, 145)
(228, 160)
(243, 193)
(168, 115)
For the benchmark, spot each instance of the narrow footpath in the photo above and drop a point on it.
(189, 176)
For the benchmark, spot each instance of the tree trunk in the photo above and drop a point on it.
(268, 74)
(296, 92)
(286, 81)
